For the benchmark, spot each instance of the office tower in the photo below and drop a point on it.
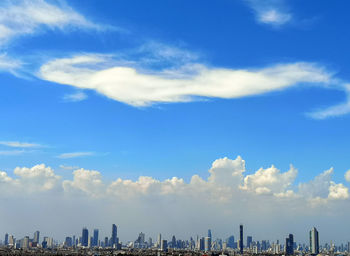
(114, 236)
(249, 241)
(290, 245)
(159, 240)
(36, 237)
(201, 244)
(230, 242)
(164, 245)
(106, 242)
(209, 234)
(207, 244)
(241, 239)
(73, 241)
(150, 242)
(68, 241)
(85, 237)
(95, 238)
(314, 241)
(11, 240)
(173, 242)
(25, 242)
(263, 245)
(6, 241)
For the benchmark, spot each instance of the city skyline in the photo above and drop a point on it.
(175, 117)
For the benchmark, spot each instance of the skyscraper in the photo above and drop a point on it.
(209, 233)
(159, 240)
(207, 244)
(314, 241)
(36, 237)
(114, 236)
(289, 245)
(95, 238)
(6, 241)
(241, 239)
(85, 237)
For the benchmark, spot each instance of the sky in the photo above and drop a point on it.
(175, 116)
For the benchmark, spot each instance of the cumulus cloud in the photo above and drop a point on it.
(75, 154)
(347, 176)
(140, 88)
(272, 12)
(270, 181)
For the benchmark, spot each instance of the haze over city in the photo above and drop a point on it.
(175, 117)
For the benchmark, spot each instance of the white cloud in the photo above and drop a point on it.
(270, 181)
(12, 152)
(75, 154)
(333, 111)
(338, 191)
(174, 204)
(25, 17)
(18, 144)
(67, 167)
(273, 12)
(128, 85)
(75, 97)
(347, 176)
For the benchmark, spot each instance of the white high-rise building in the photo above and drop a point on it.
(314, 241)
(159, 242)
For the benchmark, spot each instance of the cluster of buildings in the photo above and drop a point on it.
(199, 244)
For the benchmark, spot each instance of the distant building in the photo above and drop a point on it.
(114, 240)
(159, 242)
(85, 237)
(95, 238)
(207, 244)
(68, 241)
(249, 241)
(314, 241)
(209, 234)
(36, 237)
(241, 239)
(290, 245)
(164, 245)
(106, 242)
(6, 241)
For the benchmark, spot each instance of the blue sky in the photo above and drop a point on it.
(164, 88)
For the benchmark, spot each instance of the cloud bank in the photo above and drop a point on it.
(173, 206)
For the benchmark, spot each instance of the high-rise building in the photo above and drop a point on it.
(12, 240)
(106, 242)
(207, 244)
(114, 241)
(249, 241)
(36, 237)
(241, 239)
(85, 237)
(314, 241)
(290, 245)
(95, 238)
(173, 242)
(68, 241)
(164, 245)
(25, 242)
(209, 234)
(230, 242)
(6, 241)
(159, 240)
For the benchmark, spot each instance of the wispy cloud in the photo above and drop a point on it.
(75, 97)
(12, 152)
(18, 144)
(272, 12)
(146, 87)
(69, 168)
(75, 154)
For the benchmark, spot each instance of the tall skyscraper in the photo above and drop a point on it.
(241, 239)
(314, 241)
(207, 244)
(36, 237)
(85, 237)
(289, 245)
(159, 240)
(6, 241)
(209, 234)
(95, 238)
(106, 242)
(164, 245)
(114, 236)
